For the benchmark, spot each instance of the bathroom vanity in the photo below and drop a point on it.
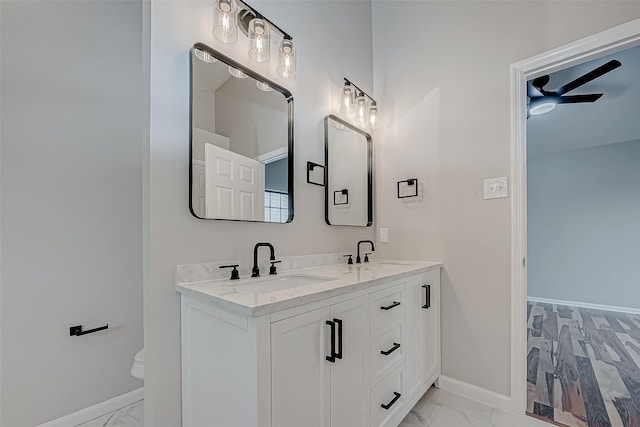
(335, 345)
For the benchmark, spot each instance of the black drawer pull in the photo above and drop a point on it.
(390, 404)
(389, 307)
(391, 350)
(338, 353)
(332, 357)
(427, 297)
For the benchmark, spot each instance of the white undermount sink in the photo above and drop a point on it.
(277, 283)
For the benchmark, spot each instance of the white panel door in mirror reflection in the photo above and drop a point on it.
(234, 185)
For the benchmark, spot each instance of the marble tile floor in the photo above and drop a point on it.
(440, 408)
(437, 408)
(583, 366)
(129, 416)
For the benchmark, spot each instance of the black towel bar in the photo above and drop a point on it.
(76, 331)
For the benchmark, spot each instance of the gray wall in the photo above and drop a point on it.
(583, 214)
(276, 176)
(71, 187)
(442, 79)
(333, 39)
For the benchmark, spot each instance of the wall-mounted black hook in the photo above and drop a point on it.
(76, 331)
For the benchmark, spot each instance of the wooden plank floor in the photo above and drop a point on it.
(583, 366)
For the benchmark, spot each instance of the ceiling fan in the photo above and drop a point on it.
(542, 101)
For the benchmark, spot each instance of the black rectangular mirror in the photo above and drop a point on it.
(241, 142)
(348, 174)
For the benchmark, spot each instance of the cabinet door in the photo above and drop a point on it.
(300, 374)
(350, 375)
(430, 327)
(423, 326)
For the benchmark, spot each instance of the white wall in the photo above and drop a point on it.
(71, 173)
(441, 72)
(333, 40)
(583, 211)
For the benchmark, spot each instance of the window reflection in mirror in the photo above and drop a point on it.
(348, 169)
(241, 142)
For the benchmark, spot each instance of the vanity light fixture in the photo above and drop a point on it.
(225, 27)
(353, 99)
(347, 98)
(231, 15)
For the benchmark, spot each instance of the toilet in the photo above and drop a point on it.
(137, 369)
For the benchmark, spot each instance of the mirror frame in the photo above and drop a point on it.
(327, 168)
(256, 76)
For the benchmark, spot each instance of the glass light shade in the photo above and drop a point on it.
(286, 60)
(347, 96)
(264, 87)
(361, 109)
(237, 73)
(541, 108)
(259, 40)
(373, 116)
(204, 56)
(225, 27)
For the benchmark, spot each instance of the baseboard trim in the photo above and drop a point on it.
(473, 392)
(585, 305)
(92, 412)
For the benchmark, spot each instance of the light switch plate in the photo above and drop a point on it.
(384, 235)
(496, 188)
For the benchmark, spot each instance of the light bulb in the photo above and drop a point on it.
(373, 116)
(225, 28)
(286, 60)
(259, 40)
(346, 99)
(361, 110)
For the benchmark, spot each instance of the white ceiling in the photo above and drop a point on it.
(615, 117)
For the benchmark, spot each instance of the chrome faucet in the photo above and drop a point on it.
(358, 256)
(255, 272)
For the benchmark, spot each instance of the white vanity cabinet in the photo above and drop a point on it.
(362, 357)
(317, 380)
(423, 330)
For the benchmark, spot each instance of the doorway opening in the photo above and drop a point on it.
(554, 362)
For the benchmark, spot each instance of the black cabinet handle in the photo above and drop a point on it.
(389, 307)
(390, 404)
(391, 350)
(427, 296)
(332, 357)
(338, 354)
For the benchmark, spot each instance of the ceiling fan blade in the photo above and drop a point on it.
(575, 99)
(532, 91)
(591, 75)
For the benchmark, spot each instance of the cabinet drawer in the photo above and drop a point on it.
(387, 349)
(386, 305)
(387, 399)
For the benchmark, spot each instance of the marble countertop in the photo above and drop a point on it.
(267, 294)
